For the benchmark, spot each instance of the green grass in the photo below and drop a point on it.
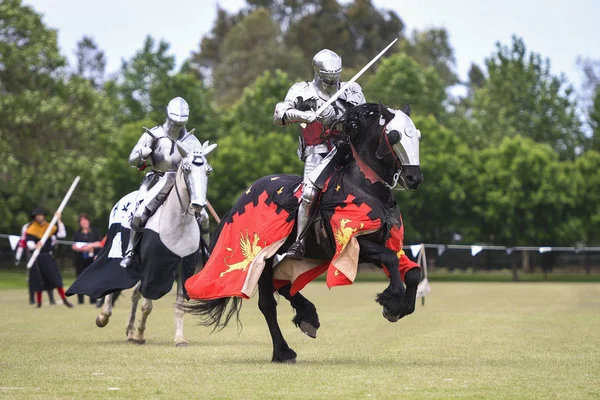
(16, 279)
(470, 340)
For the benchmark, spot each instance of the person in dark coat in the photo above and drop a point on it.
(45, 273)
(86, 247)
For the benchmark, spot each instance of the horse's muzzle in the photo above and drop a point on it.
(197, 206)
(411, 176)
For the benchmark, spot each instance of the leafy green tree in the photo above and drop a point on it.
(522, 194)
(587, 195)
(250, 48)
(28, 49)
(250, 146)
(522, 97)
(91, 62)
(203, 115)
(253, 113)
(58, 138)
(149, 67)
(399, 80)
(440, 207)
(594, 120)
(431, 48)
(210, 54)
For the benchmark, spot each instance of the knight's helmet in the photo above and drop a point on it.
(327, 66)
(178, 113)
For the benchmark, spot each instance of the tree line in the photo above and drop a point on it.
(514, 160)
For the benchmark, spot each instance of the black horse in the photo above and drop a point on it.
(383, 149)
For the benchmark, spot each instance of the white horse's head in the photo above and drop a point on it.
(195, 170)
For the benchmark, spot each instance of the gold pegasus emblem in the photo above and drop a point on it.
(249, 250)
(400, 253)
(343, 235)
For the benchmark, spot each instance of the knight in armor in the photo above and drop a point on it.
(317, 147)
(157, 149)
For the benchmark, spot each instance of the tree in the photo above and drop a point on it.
(399, 80)
(210, 54)
(476, 77)
(58, 138)
(250, 48)
(91, 61)
(250, 146)
(522, 194)
(28, 49)
(431, 48)
(149, 67)
(587, 195)
(253, 113)
(203, 116)
(594, 120)
(522, 97)
(440, 207)
(356, 31)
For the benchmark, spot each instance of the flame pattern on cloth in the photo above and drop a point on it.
(260, 223)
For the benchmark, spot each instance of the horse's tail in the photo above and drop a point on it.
(217, 312)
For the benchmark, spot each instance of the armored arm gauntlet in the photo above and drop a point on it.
(292, 115)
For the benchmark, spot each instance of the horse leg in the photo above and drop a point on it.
(146, 310)
(392, 298)
(179, 339)
(135, 298)
(306, 317)
(268, 306)
(105, 312)
(412, 279)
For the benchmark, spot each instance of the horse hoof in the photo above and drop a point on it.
(287, 356)
(308, 329)
(100, 323)
(136, 341)
(390, 317)
(182, 343)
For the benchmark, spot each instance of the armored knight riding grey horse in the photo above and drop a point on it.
(157, 149)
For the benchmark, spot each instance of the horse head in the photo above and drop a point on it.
(195, 170)
(388, 141)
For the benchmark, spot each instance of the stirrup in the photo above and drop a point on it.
(128, 259)
(296, 250)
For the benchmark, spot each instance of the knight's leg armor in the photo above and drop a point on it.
(140, 217)
(310, 193)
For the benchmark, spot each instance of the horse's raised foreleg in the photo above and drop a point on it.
(105, 312)
(136, 295)
(179, 339)
(306, 317)
(268, 306)
(392, 298)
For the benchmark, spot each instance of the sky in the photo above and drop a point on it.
(558, 29)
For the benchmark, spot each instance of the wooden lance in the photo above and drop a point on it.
(213, 212)
(36, 253)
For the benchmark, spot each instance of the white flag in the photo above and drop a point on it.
(476, 250)
(14, 241)
(415, 249)
(441, 250)
(545, 249)
(509, 250)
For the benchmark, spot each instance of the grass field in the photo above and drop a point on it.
(470, 340)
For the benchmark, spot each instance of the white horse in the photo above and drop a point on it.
(169, 249)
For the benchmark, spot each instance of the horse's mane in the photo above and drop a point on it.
(357, 119)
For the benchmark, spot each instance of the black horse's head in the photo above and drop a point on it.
(387, 141)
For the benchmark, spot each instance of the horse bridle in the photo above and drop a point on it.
(183, 207)
(397, 162)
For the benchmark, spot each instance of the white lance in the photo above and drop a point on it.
(354, 78)
(35, 254)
